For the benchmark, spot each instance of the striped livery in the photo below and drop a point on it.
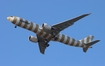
(38, 30)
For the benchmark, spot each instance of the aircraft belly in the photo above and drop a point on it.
(69, 41)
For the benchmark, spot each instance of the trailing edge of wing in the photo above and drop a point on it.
(42, 47)
(61, 26)
(42, 44)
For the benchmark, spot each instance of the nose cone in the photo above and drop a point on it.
(8, 18)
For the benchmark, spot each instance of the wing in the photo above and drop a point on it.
(61, 26)
(42, 44)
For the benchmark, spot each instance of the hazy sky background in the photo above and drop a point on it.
(17, 50)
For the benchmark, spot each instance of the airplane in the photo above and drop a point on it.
(46, 33)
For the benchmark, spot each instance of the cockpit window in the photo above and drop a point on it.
(11, 16)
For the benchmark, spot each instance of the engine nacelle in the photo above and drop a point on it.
(46, 27)
(33, 39)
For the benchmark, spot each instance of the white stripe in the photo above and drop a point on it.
(60, 36)
(23, 19)
(48, 36)
(90, 38)
(17, 21)
(80, 43)
(38, 31)
(43, 34)
(34, 26)
(70, 41)
(22, 24)
(65, 39)
(85, 40)
(75, 43)
(57, 37)
(28, 25)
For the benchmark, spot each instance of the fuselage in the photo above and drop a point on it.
(40, 32)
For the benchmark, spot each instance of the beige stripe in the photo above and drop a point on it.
(14, 20)
(41, 32)
(73, 41)
(62, 39)
(26, 21)
(57, 37)
(30, 28)
(68, 39)
(25, 25)
(50, 37)
(36, 29)
(77, 44)
(45, 35)
(82, 45)
(19, 24)
(21, 20)
(82, 40)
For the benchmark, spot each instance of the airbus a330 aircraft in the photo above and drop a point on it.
(46, 33)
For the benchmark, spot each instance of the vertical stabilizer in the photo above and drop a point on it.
(87, 39)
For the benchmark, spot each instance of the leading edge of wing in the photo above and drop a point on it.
(61, 26)
(42, 44)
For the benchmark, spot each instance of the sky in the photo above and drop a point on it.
(17, 50)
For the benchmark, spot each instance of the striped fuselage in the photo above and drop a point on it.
(40, 32)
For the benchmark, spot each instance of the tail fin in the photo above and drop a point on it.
(89, 45)
(87, 39)
(88, 42)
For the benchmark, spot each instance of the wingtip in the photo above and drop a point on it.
(88, 14)
(42, 53)
(98, 40)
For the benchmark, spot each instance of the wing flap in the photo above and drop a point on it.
(42, 47)
(61, 26)
(42, 44)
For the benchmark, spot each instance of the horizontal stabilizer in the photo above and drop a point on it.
(89, 45)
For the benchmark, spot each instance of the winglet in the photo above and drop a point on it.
(86, 14)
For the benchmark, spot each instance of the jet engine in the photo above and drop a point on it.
(46, 27)
(33, 39)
